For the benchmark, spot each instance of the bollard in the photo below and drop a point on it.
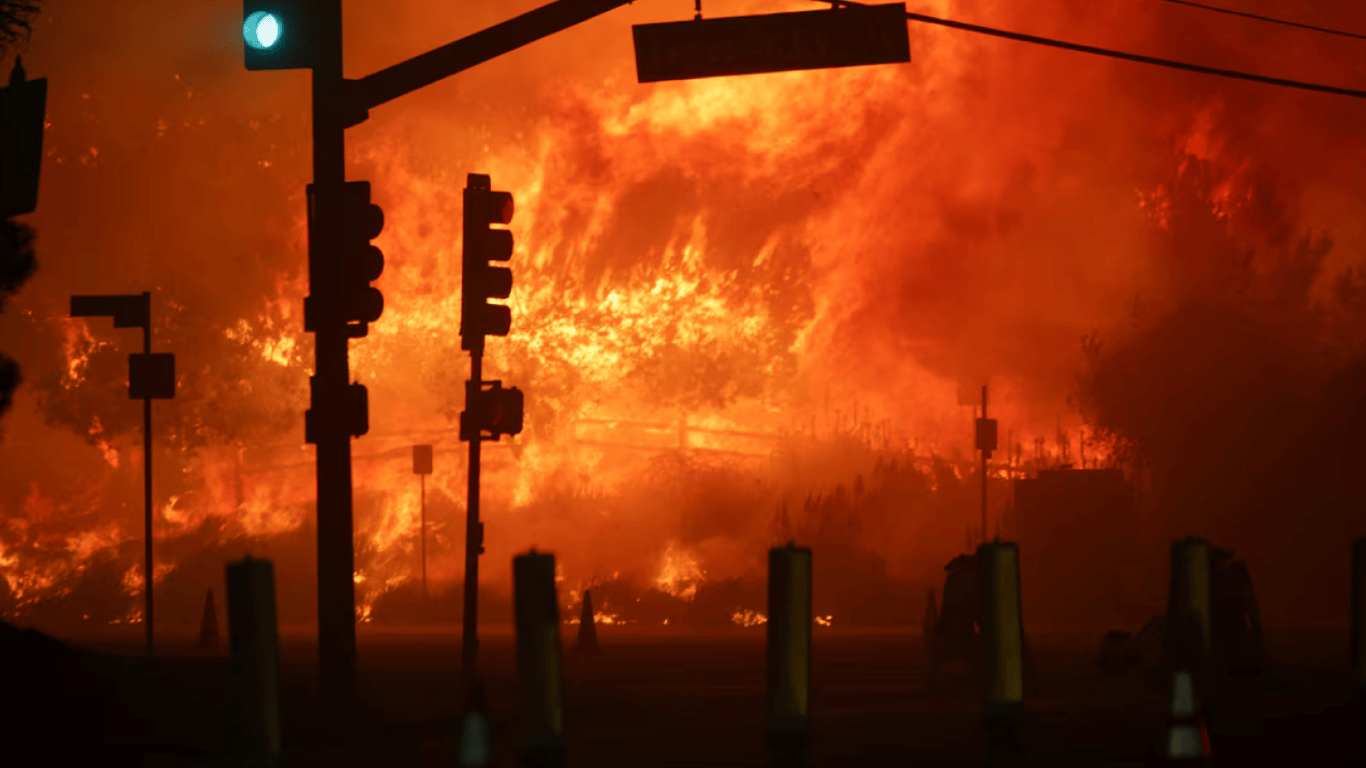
(539, 676)
(254, 697)
(1189, 642)
(588, 629)
(476, 748)
(1187, 737)
(1359, 638)
(789, 654)
(1188, 602)
(1359, 615)
(998, 577)
(1003, 667)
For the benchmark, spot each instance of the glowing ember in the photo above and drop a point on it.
(744, 617)
(602, 618)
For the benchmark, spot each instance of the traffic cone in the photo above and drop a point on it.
(588, 628)
(476, 748)
(1187, 737)
(208, 626)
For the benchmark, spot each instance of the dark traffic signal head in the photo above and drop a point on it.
(361, 261)
(337, 410)
(498, 412)
(344, 263)
(285, 34)
(503, 410)
(482, 244)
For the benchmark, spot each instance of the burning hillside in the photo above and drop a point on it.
(737, 301)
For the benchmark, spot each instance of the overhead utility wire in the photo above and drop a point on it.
(1091, 49)
(1270, 19)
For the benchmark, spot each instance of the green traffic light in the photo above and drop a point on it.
(262, 30)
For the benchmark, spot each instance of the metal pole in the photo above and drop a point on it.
(985, 537)
(336, 554)
(474, 538)
(147, 482)
(423, 480)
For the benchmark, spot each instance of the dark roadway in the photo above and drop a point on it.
(688, 700)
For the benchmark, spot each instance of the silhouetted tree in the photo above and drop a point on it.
(17, 261)
(16, 18)
(16, 264)
(1241, 401)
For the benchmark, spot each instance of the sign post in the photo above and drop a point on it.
(986, 443)
(422, 466)
(149, 377)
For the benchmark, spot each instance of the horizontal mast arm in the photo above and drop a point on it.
(439, 63)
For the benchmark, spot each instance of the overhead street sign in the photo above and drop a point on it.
(778, 42)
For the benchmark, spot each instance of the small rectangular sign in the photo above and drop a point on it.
(422, 459)
(986, 435)
(777, 42)
(151, 377)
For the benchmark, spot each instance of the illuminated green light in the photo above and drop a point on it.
(262, 30)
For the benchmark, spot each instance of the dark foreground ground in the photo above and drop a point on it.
(677, 701)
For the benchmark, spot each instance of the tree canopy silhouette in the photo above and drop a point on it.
(16, 20)
(17, 260)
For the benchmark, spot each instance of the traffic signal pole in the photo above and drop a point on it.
(497, 411)
(336, 553)
(474, 529)
(306, 34)
(147, 482)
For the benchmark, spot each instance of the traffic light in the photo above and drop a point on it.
(361, 262)
(284, 34)
(499, 412)
(341, 410)
(482, 244)
(345, 220)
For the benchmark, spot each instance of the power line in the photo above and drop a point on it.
(1270, 19)
(1123, 56)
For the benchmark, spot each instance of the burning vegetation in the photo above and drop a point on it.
(743, 310)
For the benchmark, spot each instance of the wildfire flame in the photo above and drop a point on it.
(730, 294)
(679, 575)
(744, 617)
(602, 618)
